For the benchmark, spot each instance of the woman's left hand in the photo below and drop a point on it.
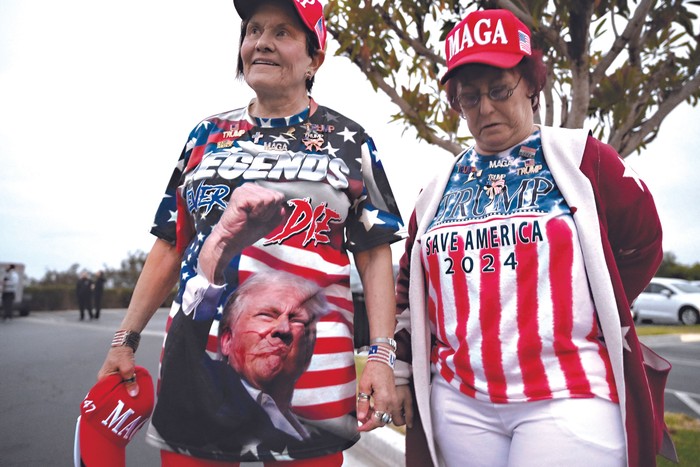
(376, 396)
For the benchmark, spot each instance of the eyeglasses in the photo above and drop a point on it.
(497, 94)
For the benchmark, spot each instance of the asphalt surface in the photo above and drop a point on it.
(683, 385)
(48, 363)
(49, 360)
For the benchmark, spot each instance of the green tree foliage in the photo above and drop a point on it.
(620, 65)
(670, 267)
(127, 275)
(66, 278)
(123, 277)
(56, 289)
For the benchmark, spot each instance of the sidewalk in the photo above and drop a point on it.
(383, 447)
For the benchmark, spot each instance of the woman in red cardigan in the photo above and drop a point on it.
(513, 296)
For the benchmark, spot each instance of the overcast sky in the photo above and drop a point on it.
(97, 100)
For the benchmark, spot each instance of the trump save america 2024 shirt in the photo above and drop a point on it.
(509, 302)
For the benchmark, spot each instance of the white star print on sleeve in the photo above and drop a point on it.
(370, 218)
(630, 173)
(348, 135)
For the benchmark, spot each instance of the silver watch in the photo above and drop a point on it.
(384, 340)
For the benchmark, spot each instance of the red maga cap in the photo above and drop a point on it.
(109, 418)
(310, 12)
(489, 37)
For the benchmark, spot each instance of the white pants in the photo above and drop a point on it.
(551, 433)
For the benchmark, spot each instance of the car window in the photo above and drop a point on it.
(687, 288)
(654, 288)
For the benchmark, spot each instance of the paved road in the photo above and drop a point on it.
(49, 360)
(683, 385)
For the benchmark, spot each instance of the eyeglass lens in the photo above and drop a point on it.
(498, 93)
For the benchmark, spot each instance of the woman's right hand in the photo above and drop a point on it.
(158, 277)
(121, 360)
(403, 415)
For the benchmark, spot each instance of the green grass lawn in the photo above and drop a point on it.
(657, 329)
(685, 432)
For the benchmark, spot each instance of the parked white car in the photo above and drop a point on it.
(668, 301)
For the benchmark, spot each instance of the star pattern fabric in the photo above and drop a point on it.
(339, 201)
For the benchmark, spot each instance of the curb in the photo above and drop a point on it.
(382, 447)
(669, 339)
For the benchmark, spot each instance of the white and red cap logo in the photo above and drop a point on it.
(310, 12)
(490, 37)
(109, 418)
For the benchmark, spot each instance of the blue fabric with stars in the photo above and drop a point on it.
(321, 153)
(339, 201)
(280, 122)
(516, 181)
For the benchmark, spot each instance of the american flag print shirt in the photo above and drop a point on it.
(339, 200)
(508, 299)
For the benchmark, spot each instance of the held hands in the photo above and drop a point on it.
(403, 415)
(376, 401)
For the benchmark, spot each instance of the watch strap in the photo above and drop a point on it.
(124, 338)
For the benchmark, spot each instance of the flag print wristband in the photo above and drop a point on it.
(380, 353)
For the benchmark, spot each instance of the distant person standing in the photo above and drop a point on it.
(10, 283)
(84, 291)
(97, 289)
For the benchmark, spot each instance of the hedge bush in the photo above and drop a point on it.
(62, 297)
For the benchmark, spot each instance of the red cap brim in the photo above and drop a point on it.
(244, 8)
(503, 60)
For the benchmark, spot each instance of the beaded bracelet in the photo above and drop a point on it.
(382, 354)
